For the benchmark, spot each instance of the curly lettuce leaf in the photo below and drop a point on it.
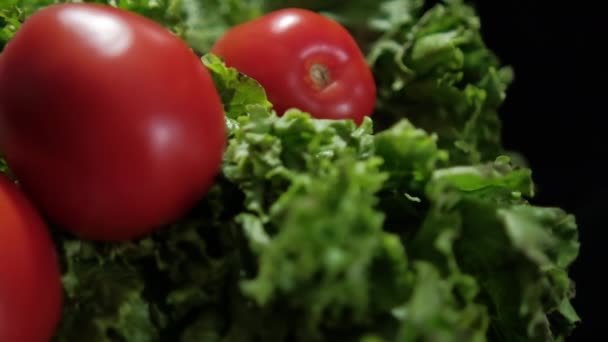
(442, 309)
(289, 168)
(296, 254)
(410, 155)
(438, 73)
(518, 254)
(158, 287)
(206, 20)
(95, 312)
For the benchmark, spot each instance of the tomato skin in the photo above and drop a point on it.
(30, 284)
(280, 49)
(112, 125)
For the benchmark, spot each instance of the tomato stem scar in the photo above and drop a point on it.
(320, 76)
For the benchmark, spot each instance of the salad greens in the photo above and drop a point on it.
(414, 226)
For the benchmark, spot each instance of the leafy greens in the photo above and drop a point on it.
(414, 226)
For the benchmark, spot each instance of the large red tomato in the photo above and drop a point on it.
(30, 283)
(111, 123)
(303, 60)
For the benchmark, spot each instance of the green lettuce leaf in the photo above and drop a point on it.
(517, 253)
(410, 155)
(438, 73)
(289, 169)
(442, 309)
(206, 20)
(154, 288)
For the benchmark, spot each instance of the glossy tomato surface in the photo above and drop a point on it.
(30, 283)
(303, 60)
(111, 123)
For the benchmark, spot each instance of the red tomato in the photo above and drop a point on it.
(111, 123)
(303, 60)
(30, 283)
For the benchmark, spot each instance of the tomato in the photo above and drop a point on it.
(303, 60)
(30, 283)
(112, 124)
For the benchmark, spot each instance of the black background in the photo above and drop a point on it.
(554, 115)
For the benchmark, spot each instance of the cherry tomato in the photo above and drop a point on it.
(111, 123)
(303, 60)
(30, 283)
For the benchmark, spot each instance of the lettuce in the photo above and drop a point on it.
(414, 226)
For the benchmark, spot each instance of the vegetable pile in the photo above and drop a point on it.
(406, 223)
